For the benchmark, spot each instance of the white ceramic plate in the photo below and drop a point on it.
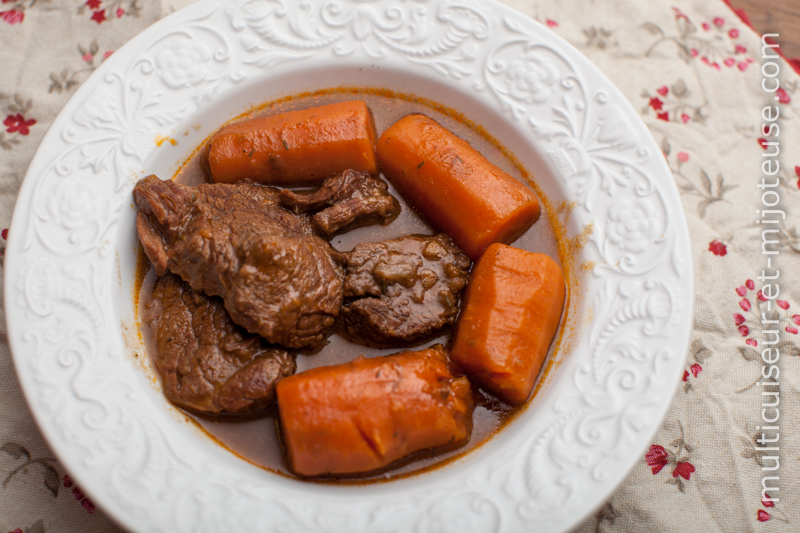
(70, 264)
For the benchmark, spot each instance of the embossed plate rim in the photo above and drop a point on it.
(72, 219)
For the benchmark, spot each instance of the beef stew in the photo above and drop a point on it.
(256, 438)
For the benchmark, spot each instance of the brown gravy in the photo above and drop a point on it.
(255, 438)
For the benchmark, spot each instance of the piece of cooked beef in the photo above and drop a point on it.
(407, 290)
(206, 362)
(350, 197)
(235, 241)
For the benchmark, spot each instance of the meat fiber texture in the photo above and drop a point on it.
(206, 362)
(344, 200)
(236, 242)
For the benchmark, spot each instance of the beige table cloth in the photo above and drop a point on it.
(694, 70)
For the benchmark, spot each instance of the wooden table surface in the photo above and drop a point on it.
(775, 16)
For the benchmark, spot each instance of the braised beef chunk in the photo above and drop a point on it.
(206, 362)
(234, 241)
(344, 199)
(407, 290)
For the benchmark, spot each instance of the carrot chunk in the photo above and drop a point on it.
(458, 189)
(511, 312)
(297, 147)
(364, 415)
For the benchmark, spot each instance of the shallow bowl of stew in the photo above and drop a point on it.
(523, 97)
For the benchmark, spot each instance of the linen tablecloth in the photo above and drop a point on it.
(694, 70)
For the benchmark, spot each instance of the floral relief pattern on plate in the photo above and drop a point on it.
(68, 289)
(439, 35)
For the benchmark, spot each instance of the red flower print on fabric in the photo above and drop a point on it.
(715, 45)
(769, 503)
(783, 96)
(69, 78)
(699, 354)
(676, 456)
(17, 123)
(4, 234)
(108, 11)
(12, 16)
(552, 23)
(683, 157)
(718, 248)
(754, 306)
(672, 101)
(656, 104)
(738, 318)
(679, 14)
(683, 469)
(78, 493)
(657, 458)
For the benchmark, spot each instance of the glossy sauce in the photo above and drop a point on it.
(255, 437)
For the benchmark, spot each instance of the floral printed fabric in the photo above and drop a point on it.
(47, 49)
(692, 68)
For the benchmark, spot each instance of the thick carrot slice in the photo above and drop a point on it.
(297, 147)
(511, 312)
(458, 189)
(364, 415)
